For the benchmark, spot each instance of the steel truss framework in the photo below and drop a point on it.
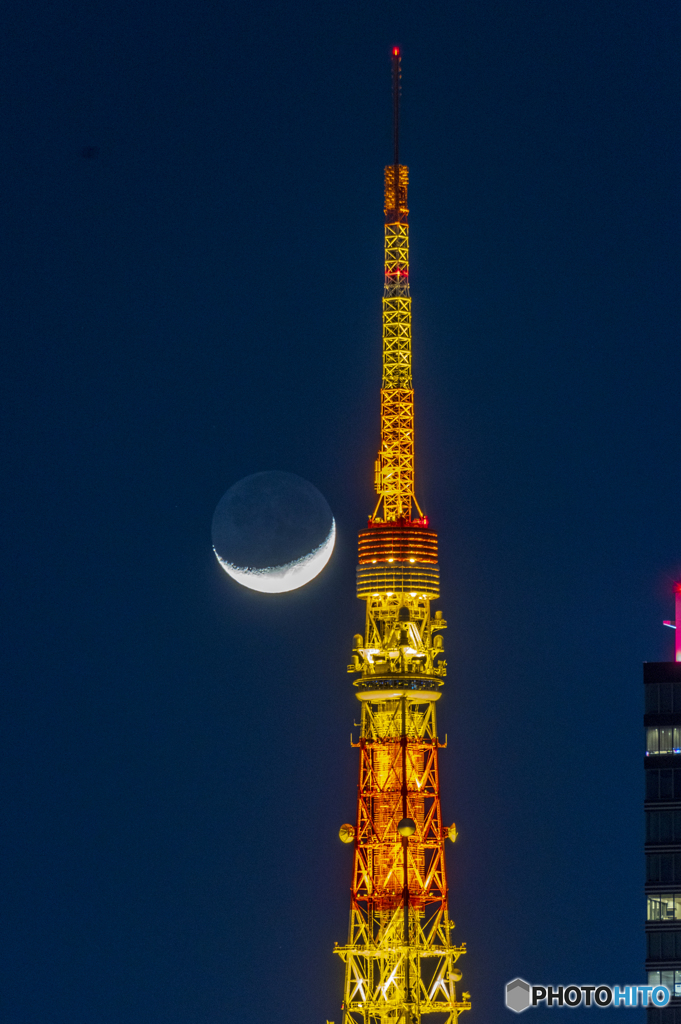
(395, 463)
(396, 648)
(399, 956)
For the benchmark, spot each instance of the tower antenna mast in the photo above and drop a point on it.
(396, 106)
(394, 473)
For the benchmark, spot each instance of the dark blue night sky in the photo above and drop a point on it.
(191, 277)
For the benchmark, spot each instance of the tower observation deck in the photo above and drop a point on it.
(400, 961)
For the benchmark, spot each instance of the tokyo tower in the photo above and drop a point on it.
(400, 962)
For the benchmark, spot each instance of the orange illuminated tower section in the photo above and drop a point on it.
(400, 962)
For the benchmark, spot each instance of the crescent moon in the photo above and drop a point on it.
(280, 578)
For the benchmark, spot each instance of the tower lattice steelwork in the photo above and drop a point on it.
(399, 957)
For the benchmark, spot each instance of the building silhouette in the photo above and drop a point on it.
(662, 721)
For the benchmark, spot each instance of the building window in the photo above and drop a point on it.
(664, 907)
(666, 1015)
(672, 979)
(664, 945)
(663, 826)
(664, 739)
(663, 867)
(663, 784)
(662, 698)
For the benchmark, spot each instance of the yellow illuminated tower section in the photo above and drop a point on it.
(400, 960)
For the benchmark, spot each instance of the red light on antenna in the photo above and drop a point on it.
(396, 52)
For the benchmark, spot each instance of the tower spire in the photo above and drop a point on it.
(394, 474)
(400, 963)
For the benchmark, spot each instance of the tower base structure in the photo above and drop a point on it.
(400, 961)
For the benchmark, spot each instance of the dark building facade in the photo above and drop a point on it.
(662, 720)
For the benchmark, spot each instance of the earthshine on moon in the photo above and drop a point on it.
(273, 532)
